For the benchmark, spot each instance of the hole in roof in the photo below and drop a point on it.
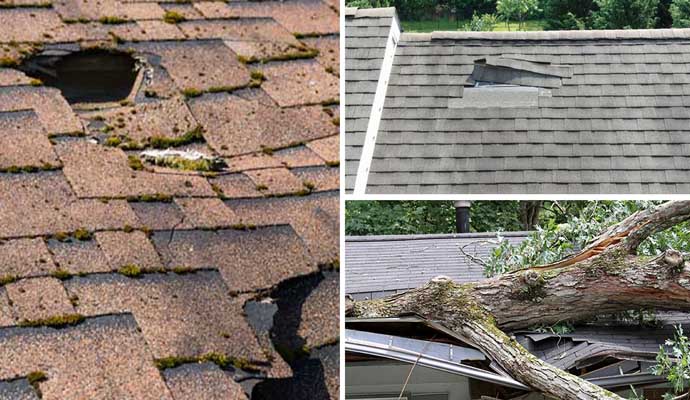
(91, 76)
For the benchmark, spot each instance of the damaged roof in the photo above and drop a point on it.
(378, 266)
(520, 112)
(124, 276)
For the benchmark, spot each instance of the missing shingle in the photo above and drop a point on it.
(90, 76)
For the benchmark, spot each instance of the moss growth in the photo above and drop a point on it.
(7, 279)
(113, 141)
(243, 227)
(246, 60)
(189, 165)
(135, 163)
(128, 229)
(336, 121)
(131, 271)
(74, 300)
(261, 187)
(36, 82)
(173, 17)
(221, 360)
(112, 20)
(82, 234)
(58, 321)
(34, 378)
(257, 75)
(61, 236)
(333, 163)
(151, 198)
(191, 92)
(181, 270)
(331, 102)
(61, 274)
(295, 55)
(8, 62)
(29, 169)
(192, 136)
(107, 129)
(330, 70)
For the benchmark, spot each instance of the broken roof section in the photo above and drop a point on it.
(611, 351)
(598, 111)
(163, 250)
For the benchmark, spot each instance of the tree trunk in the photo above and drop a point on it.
(606, 277)
(529, 214)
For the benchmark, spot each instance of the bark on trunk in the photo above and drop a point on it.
(606, 277)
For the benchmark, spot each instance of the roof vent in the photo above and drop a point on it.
(92, 76)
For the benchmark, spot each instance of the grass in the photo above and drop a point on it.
(448, 25)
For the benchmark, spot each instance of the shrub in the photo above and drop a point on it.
(485, 23)
(680, 13)
(625, 14)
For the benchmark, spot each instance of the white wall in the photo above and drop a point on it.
(388, 378)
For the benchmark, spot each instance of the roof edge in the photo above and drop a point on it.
(613, 34)
(478, 235)
(370, 12)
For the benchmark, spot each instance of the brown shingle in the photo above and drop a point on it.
(236, 186)
(275, 181)
(98, 171)
(323, 178)
(207, 381)
(179, 315)
(14, 23)
(205, 213)
(25, 257)
(252, 161)
(329, 51)
(6, 314)
(298, 156)
(133, 248)
(11, 77)
(158, 215)
(165, 117)
(235, 125)
(23, 141)
(52, 109)
(299, 82)
(277, 253)
(328, 148)
(200, 65)
(92, 360)
(301, 16)
(38, 299)
(320, 313)
(78, 257)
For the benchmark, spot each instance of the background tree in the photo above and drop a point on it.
(516, 10)
(625, 14)
(675, 366)
(567, 14)
(680, 13)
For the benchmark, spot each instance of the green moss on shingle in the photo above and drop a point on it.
(58, 321)
(173, 17)
(61, 274)
(7, 279)
(191, 92)
(82, 234)
(112, 20)
(131, 271)
(135, 163)
(151, 198)
(194, 135)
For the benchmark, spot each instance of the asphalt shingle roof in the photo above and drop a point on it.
(611, 114)
(380, 265)
(157, 262)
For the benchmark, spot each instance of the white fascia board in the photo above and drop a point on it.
(376, 110)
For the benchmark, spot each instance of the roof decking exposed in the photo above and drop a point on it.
(619, 124)
(156, 264)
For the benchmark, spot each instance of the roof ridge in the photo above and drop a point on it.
(382, 238)
(370, 12)
(613, 34)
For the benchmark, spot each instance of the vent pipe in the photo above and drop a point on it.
(462, 216)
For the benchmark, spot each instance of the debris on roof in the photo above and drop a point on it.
(141, 224)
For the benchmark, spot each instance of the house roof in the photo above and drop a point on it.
(381, 265)
(150, 266)
(554, 112)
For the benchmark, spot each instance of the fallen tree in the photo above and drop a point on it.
(607, 276)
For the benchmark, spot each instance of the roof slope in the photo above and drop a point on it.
(148, 266)
(608, 113)
(381, 265)
(366, 36)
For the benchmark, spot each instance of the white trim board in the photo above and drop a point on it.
(376, 110)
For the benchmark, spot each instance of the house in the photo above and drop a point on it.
(573, 112)
(613, 353)
(207, 271)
